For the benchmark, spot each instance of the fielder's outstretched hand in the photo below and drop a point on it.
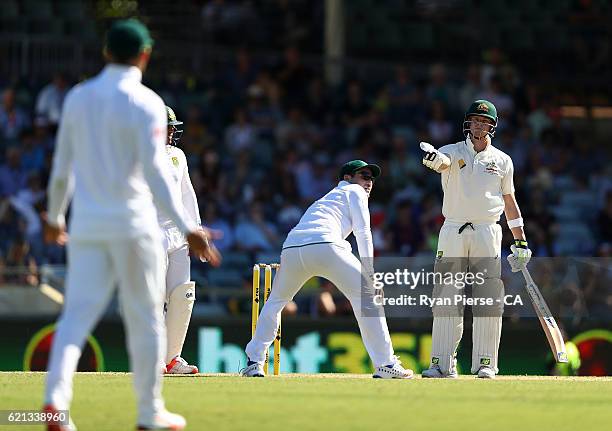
(434, 159)
(200, 245)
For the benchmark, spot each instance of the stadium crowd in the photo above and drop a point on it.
(264, 140)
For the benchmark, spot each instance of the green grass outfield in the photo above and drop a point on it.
(104, 401)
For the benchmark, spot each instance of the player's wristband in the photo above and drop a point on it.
(520, 243)
(517, 222)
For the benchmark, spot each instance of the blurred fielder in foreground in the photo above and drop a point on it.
(111, 154)
(317, 246)
(477, 180)
(180, 290)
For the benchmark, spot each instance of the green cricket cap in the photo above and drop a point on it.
(127, 38)
(353, 166)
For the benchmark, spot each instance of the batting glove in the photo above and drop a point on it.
(433, 159)
(520, 255)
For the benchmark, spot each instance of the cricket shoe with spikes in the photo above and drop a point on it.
(434, 372)
(486, 373)
(50, 410)
(253, 369)
(180, 366)
(393, 371)
(165, 420)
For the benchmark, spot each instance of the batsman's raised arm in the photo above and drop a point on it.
(434, 159)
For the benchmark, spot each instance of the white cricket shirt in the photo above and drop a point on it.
(110, 153)
(333, 217)
(180, 186)
(474, 183)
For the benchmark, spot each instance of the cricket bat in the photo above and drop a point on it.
(551, 329)
(51, 293)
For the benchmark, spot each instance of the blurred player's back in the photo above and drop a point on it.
(111, 193)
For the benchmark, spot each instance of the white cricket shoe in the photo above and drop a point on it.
(434, 372)
(253, 369)
(55, 425)
(486, 373)
(180, 366)
(165, 420)
(393, 371)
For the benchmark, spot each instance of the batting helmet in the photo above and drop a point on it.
(173, 123)
(482, 108)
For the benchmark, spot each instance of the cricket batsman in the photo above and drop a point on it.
(110, 155)
(317, 246)
(477, 181)
(180, 290)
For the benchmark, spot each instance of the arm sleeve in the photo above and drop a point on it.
(507, 184)
(360, 216)
(152, 139)
(61, 181)
(190, 201)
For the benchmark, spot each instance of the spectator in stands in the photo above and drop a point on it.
(213, 221)
(354, 112)
(439, 127)
(12, 175)
(33, 152)
(51, 98)
(240, 135)
(13, 119)
(293, 76)
(254, 233)
(296, 132)
(18, 266)
(403, 96)
(407, 232)
(472, 86)
(440, 88)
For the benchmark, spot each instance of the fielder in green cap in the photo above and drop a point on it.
(110, 145)
(128, 42)
(317, 247)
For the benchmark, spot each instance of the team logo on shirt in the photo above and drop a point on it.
(439, 254)
(461, 163)
(175, 161)
(491, 168)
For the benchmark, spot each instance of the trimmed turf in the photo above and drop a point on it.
(104, 401)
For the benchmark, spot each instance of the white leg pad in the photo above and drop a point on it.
(178, 315)
(446, 335)
(486, 335)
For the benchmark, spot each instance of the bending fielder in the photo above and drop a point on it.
(317, 247)
(478, 185)
(180, 290)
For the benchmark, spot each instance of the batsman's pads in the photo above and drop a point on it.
(178, 315)
(433, 159)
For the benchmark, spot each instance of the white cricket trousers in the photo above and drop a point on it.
(477, 249)
(94, 269)
(337, 264)
(177, 265)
